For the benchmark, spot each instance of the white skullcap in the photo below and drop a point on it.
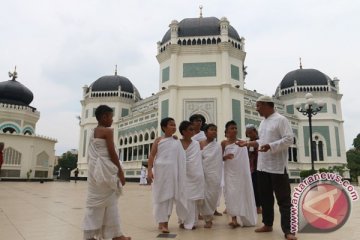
(265, 99)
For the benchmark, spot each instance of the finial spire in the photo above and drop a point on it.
(13, 75)
(115, 70)
(300, 63)
(201, 7)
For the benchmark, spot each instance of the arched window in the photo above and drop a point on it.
(9, 130)
(130, 140)
(135, 139)
(152, 136)
(146, 136)
(292, 150)
(140, 138)
(12, 157)
(321, 150)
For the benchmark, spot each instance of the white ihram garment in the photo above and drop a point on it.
(169, 180)
(101, 214)
(194, 183)
(200, 136)
(213, 167)
(239, 193)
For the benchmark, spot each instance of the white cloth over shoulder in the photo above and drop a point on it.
(103, 180)
(101, 218)
(213, 167)
(170, 174)
(195, 182)
(239, 193)
(200, 136)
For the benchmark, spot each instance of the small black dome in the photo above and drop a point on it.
(13, 92)
(305, 77)
(207, 26)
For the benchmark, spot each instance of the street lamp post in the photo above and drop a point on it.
(309, 110)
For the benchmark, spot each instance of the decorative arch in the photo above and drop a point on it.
(320, 146)
(12, 157)
(146, 137)
(42, 159)
(292, 151)
(152, 135)
(10, 127)
(28, 130)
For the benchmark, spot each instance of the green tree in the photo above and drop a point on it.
(356, 142)
(68, 160)
(353, 159)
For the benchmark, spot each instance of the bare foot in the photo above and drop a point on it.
(182, 226)
(208, 224)
(290, 236)
(234, 225)
(122, 238)
(216, 213)
(264, 229)
(164, 229)
(200, 217)
(258, 210)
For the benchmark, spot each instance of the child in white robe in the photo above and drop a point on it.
(212, 165)
(167, 171)
(143, 176)
(194, 175)
(198, 122)
(239, 194)
(105, 181)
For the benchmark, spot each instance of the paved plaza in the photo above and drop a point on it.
(54, 210)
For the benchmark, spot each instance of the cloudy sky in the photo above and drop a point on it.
(59, 46)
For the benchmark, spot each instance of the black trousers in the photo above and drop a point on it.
(255, 187)
(268, 184)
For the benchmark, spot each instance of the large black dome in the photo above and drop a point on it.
(13, 92)
(112, 83)
(207, 26)
(305, 77)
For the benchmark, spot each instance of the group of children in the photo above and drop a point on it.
(187, 172)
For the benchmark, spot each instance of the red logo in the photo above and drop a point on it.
(325, 208)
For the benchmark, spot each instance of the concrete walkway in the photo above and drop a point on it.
(54, 210)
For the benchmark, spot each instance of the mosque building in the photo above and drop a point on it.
(26, 154)
(201, 63)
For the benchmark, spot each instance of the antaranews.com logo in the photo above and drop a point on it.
(321, 203)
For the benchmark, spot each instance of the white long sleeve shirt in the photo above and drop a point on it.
(275, 131)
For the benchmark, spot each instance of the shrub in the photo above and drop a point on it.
(307, 173)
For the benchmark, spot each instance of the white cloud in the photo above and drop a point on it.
(61, 45)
